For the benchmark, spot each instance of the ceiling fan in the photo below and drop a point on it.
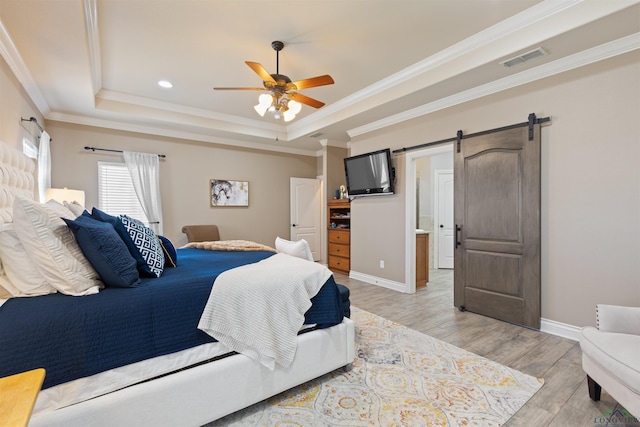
(283, 100)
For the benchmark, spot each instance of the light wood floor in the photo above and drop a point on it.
(564, 398)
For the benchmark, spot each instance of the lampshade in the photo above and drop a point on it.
(65, 195)
(294, 108)
(264, 102)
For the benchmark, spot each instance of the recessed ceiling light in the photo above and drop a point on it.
(165, 84)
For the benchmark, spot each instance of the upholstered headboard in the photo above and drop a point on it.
(16, 179)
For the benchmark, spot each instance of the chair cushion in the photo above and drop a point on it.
(617, 353)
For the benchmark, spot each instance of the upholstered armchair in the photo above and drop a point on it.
(201, 233)
(611, 355)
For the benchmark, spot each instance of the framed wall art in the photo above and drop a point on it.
(229, 193)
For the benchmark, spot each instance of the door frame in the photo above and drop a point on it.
(410, 210)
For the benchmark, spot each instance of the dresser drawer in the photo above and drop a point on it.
(339, 250)
(339, 236)
(338, 263)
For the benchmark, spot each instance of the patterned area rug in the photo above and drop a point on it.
(400, 377)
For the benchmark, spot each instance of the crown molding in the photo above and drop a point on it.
(190, 115)
(175, 133)
(389, 84)
(580, 59)
(346, 106)
(552, 12)
(11, 55)
(93, 40)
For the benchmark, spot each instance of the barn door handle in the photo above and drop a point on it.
(458, 230)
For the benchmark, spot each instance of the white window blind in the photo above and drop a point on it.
(116, 194)
(29, 148)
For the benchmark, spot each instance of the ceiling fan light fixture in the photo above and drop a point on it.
(265, 102)
(288, 116)
(282, 89)
(293, 108)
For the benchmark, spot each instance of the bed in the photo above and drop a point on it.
(134, 355)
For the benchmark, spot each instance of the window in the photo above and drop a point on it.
(116, 194)
(29, 149)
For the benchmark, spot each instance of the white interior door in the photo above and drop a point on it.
(445, 223)
(305, 212)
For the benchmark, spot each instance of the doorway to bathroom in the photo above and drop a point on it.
(430, 214)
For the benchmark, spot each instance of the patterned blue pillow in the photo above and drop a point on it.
(148, 251)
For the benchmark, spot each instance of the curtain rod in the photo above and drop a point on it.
(162, 156)
(35, 121)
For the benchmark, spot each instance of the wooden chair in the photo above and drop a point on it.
(201, 233)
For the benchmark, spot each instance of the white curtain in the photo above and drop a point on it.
(44, 165)
(145, 175)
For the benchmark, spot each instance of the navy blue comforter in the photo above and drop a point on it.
(75, 337)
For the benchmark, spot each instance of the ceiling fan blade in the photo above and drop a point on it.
(238, 88)
(305, 100)
(314, 81)
(259, 70)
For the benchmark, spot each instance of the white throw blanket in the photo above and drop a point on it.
(258, 309)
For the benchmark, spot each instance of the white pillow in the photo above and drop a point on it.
(75, 208)
(298, 249)
(21, 277)
(53, 248)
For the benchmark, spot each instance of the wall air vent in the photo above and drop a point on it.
(316, 135)
(524, 57)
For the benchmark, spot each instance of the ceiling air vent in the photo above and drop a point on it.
(316, 135)
(524, 57)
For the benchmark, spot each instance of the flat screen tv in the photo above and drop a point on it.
(369, 174)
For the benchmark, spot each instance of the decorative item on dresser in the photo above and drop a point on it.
(339, 235)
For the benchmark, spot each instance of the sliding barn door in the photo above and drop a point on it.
(497, 219)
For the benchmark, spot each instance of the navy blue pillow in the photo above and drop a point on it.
(103, 216)
(150, 259)
(106, 251)
(170, 253)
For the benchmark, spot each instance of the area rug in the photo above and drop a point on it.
(400, 377)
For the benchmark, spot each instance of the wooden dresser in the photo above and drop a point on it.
(339, 235)
(422, 259)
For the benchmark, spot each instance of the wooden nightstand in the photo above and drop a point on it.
(18, 394)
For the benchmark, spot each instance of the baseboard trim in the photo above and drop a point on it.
(389, 284)
(560, 329)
